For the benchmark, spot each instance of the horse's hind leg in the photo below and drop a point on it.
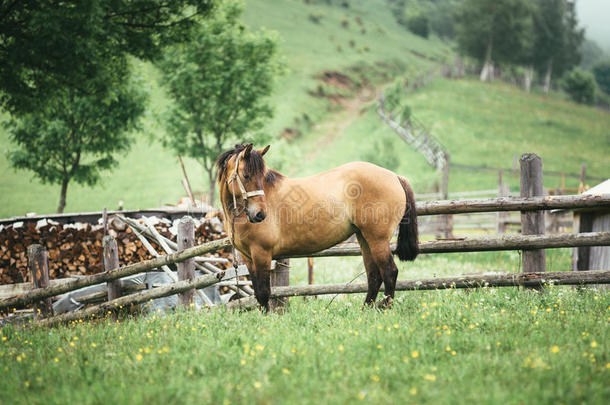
(373, 275)
(382, 256)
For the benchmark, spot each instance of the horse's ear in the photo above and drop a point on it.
(247, 151)
(264, 150)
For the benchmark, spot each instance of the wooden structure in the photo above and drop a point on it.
(596, 219)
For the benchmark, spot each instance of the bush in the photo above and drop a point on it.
(580, 86)
(419, 25)
(601, 71)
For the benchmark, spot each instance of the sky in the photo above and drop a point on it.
(594, 15)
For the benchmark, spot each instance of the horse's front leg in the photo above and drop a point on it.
(261, 272)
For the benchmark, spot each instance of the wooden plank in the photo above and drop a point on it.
(39, 272)
(532, 222)
(186, 269)
(280, 276)
(111, 262)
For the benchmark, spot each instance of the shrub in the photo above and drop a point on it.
(419, 25)
(580, 86)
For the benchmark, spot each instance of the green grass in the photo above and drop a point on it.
(480, 124)
(485, 346)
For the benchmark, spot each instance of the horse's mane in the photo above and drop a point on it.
(254, 165)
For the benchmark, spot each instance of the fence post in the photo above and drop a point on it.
(310, 270)
(447, 219)
(583, 177)
(532, 222)
(111, 262)
(280, 277)
(186, 269)
(39, 270)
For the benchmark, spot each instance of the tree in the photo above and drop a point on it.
(601, 71)
(419, 25)
(580, 86)
(46, 46)
(494, 31)
(219, 83)
(557, 38)
(76, 136)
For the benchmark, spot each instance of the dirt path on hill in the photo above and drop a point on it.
(335, 126)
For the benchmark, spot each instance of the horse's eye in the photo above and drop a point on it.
(247, 176)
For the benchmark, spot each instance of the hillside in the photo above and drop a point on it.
(320, 123)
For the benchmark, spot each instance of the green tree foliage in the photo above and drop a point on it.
(46, 46)
(219, 83)
(557, 38)
(419, 25)
(580, 86)
(498, 31)
(601, 71)
(76, 136)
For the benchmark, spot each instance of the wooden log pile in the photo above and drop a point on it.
(76, 249)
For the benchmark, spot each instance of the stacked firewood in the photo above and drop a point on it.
(76, 249)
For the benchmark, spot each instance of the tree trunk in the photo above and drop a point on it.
(211, 192)
(62, 196)
(528, 76)
(487, 71)
(547, 76)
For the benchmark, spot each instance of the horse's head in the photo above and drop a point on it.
(241, 179)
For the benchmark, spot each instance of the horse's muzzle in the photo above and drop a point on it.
(258, 217)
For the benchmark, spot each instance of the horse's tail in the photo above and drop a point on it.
(408, 244)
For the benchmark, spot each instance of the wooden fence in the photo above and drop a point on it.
(532, 242)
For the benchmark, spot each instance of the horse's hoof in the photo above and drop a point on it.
(385, 303)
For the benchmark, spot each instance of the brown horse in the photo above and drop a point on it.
(269, 215)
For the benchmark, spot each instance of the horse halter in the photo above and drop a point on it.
(244, 194)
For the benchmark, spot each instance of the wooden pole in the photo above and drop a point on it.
(105, 220)
(111, 262)
(532, 223)
(537, 279)
(310, 270)
(505, 242)
(185, 181)
(134, 299)
(583, 174)
(39, 271)
(280, 277)
(512, 204)
(186, 269)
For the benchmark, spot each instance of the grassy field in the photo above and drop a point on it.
(486, 346)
